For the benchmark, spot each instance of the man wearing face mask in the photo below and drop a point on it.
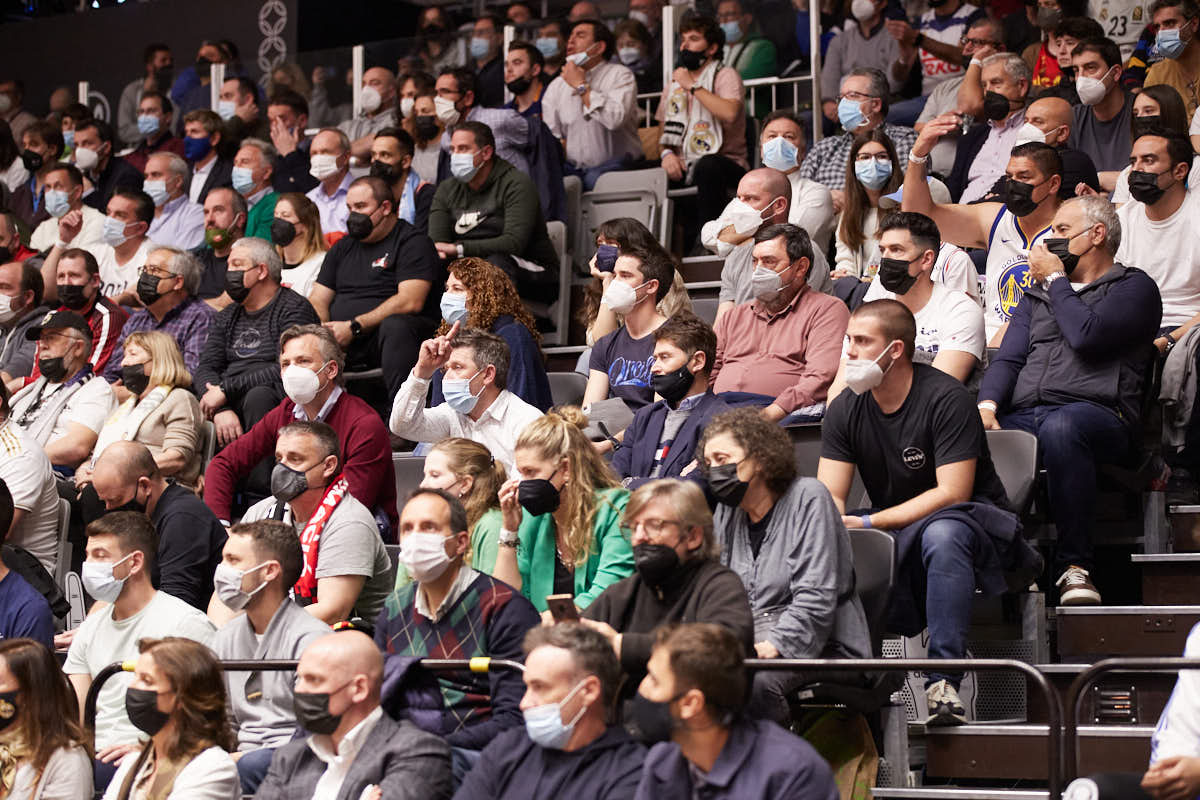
(237, 377)
(1178, 22)
(784, 144)
(10, 238)
(354, 749)
(1033, 179)
(690, 707)
(456, 103)
(312, 364)
(780, 350)
(450, 610)
(260, 563)
(983, 151)
(157, 72)
(224, 223)
(478, 405)
(935, 39)
(1073, 371)
(524, 78)
(21, 308)
(77, 277)
(329, 155)
(1050, 120)
(253, 167)
(863, 43)
(568, 746)
(378, 99)
(120, 557)
(154, 128)
(126, 478)
(346, 567)
(1102, 125)
(237, 105)
(12, 93)
(912, 434)
(591, 106)
(487, 37)
(391, 161)
(287, 115)
(210, 169)
(95, 156)
(70, 220)
(178, 222)
(27, 472)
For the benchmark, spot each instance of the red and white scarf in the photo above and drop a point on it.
(310, 539)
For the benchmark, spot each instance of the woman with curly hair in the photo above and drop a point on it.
(565, 512)
(784, 536)
(177, 698)
(479, 295)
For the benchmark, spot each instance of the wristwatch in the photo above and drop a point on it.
(1171, 341)
(581, 89)
(1053, 276)
(508, 538)
(355, 328)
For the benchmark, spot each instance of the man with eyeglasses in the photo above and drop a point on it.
(935, 40)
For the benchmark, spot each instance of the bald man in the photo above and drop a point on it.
(764, 197)
(378, 99)
(1049, 120)
(126, 477)
(337, 700)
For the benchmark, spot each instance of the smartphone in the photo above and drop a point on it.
(562, 607)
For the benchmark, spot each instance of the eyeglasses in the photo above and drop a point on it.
(882, 158)
(157, 272)
(978, 42)
(857, 97)
(652, 526)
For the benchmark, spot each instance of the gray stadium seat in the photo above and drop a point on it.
(566, 388)
(639, 194)
(1014, 454)
(705, 308)
(410, 470)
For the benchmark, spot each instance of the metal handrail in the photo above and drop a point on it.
(647, 100)
(1084, 680)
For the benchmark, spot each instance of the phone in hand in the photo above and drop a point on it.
(562, 607)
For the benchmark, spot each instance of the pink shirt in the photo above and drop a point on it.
(727, 85)
(792, 355)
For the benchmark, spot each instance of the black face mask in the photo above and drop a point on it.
(1144, 187)
(691, 60)
(996, 106)
(135, 378)
(893, 275)
(425, 127)
(235, 285)
(655, 562)
(312, 712)
(936, 3)
(1144, 125)
(674, 385)
(71, 296)
(649, 721)
(1060, 247)
(162, 77)
(132, 505)
(147, 289)
(202, 65)
(519, 85)
(53, 369)
(8, 709)
(1018, 196)
(538, 496)
(32, 161)
(142, 707)
(388, 173)
(725, 485)
(358, 225)
(283, 232)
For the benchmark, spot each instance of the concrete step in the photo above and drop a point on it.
(1089, 633)
(1169, 579)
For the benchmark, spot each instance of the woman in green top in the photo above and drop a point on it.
(467, 470)
(566, 509)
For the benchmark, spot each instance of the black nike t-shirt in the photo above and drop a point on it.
(363, 275)
(898, 454)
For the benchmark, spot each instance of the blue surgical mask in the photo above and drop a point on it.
(114, 232)
(69, 138)
(850, 114)
(243, 179)
(226, 109)
(545, 726)
(462, 166)
(579, 59)
(454, 307)
(157, 191)
(547, 46)
(479, 48)
(1169, 43)
(58, 202)
(873, 173)
(457, 392)
(147, 124)
(779, 153)
(733, 31)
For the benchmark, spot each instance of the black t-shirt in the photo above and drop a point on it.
(363, 274)
(212, 279)
(758, 532)
(627, 362)
(564, 577)
(190, 539)
(898, 454)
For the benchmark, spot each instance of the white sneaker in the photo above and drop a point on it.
(1082, 789)
(945, 708)
(1076, 588)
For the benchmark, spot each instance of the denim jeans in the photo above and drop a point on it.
(1072, 440)
(252, 768)
(948, 556)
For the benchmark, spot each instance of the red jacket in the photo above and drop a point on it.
(366, 457)
(106, 319)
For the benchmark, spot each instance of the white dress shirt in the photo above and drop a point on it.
(90, 236)
(338, 764)
(334, 211)
(199, 178)
(181, 224)
(605, 130)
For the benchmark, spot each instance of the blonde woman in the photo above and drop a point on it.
(296, 234)
(161, 411)
(565, 510)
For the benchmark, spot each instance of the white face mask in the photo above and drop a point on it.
(621, 297)
(371, 99)
(99, 581)
(227, 581)
(743, 217)
(1091, 90)
(863, 375)
(86, 158)
(6, 309)
(444, 108)
(1030, 133)
(862, 9)
(424, 556)
(766, 284)
(406, 106)
(301, 384)
(322, 166)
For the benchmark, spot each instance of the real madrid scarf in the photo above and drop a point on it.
(688, 127)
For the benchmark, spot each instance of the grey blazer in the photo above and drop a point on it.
(404, 761)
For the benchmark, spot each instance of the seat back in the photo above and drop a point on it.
(874, 574)
(566, 388)
(560, 310)
(410, 470)
(639, 194)
(1014, 454)
(705, 308)
(62, 564)
(806, 439)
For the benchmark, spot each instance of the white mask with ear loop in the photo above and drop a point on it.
(863, 375)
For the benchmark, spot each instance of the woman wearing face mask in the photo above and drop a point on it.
(783, 535)
(634, 46)
(177, 698)
(426, 130)
(678, 577)
(1158, 106)
(296, 234)
(479, 295)
(872, 171)
(43, 749)
(410, 85)
(565, 512)
(159, 411)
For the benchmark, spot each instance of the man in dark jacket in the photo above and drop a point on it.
(568, 747)
(661, 440)
(1071, 370)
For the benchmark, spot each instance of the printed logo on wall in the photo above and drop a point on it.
(99, 106)
(272, 50)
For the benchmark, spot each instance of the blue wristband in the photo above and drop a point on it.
(866, 520)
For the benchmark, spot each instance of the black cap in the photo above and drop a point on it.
(57, 320)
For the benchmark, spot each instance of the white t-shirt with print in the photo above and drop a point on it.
(951, 320)
(1169, 252)
(116, 279)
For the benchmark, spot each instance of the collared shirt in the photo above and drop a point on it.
(993, 157)
(253, 199)
(186, 323)
(466, 576)
(299, 413)
(199, 178)
(496, 429)
(181, 224)
(826, 161)
(603, 131)
(334, 211)
(338, 764)
(365, 125)
(510, 130)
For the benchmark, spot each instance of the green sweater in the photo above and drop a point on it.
(610, 560)
(510, 216)
(485, 543)
(258, 221)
